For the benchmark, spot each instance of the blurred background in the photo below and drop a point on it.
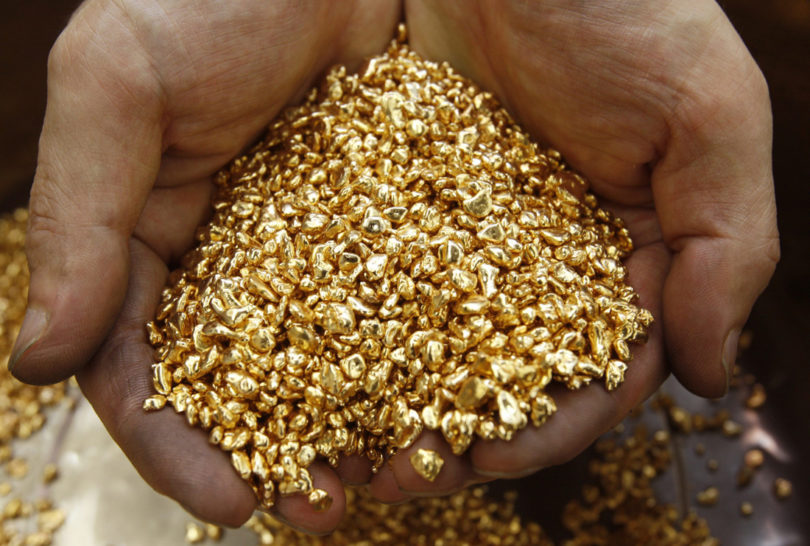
(777, 32)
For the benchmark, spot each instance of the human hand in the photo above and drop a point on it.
(187, 105)
(662, 108)
(146, 100)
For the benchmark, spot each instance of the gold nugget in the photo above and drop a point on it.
(24, 408)
(709, 496)
(427, 463)
(395, 255)
(467, 517)
(782, 488)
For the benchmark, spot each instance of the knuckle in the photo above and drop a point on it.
(48, 205)
(43, 220)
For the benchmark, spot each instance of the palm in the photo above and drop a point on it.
(619, 89)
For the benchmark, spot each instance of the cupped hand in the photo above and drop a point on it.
(662, 108)
(146, 100)
(658, 104)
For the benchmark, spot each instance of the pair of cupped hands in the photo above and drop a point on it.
(657, 103)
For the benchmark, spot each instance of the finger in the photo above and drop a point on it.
(585, 414)
(354, 470)
(714, 193)
(296, 511)
(456, 471)
(385, 489)
(99, 153)
(174, 458)
(170, 217)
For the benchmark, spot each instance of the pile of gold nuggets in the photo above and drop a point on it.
(395, 255)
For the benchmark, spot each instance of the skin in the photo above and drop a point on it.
(658, 103)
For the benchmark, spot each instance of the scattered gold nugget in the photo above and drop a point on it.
(23, 407)
(427, 463)
(214, 532)
(50, 473)
(619, 504)
(754, 458)
(709, 496)
(50, 520)
(467, 517)
(731, 428)
(746, 509)
(744, 475)
(395, 255)
(17, 468)
(782, 488)
(194, 533)
(757, 397)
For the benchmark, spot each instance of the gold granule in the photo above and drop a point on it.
(214, 532)
(731, 428)
(12, 509)
(754, 458)
(709, 496)
(782, 488)
(746, 509)
(194, 533)
(467, 517)
(17, 468)
(24, 410)
(427, 463)
(744, 475)
(619, 504)
(757, 397)
(50, 520)
(49, 473)
(395, 255)
(38, 538)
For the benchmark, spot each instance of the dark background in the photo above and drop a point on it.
(778, 34)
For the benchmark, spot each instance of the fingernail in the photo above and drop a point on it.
(33, 326)
(500, 475)
(729, 356)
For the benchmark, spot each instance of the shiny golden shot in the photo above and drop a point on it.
(395, 255)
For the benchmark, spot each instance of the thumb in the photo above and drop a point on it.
(98, 154)
(714, 195)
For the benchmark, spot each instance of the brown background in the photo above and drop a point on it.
(776, 31)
